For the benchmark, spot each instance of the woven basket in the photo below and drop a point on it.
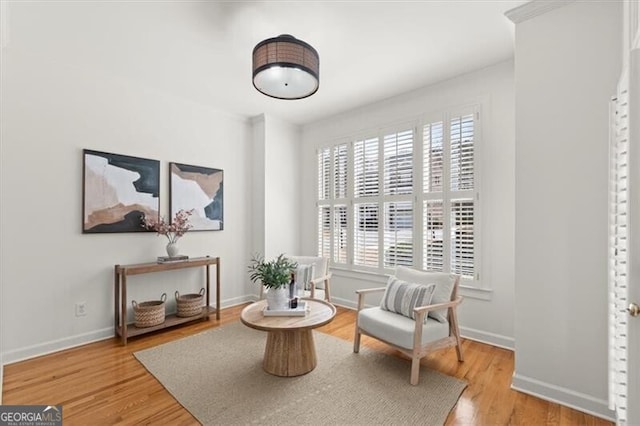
(189, 304)
(149, 313)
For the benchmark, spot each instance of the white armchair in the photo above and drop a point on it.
(433, 326)
(320, 281)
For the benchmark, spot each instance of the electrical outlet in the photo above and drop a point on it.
(81, 309)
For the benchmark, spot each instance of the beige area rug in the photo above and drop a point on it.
(217, 375)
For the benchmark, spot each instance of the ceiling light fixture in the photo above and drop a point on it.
(286, 68)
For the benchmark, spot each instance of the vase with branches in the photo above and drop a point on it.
(173, 231)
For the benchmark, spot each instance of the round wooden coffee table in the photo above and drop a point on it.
(290, 350)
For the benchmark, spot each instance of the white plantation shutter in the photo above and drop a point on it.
(340, 234)
(340, 171)
(462, 183)
(398, 234)
(398, 163)
(324, 231)
(433, 157)
(365, 164)
(449, 197)
(373, 215)
(618, 254)
(433, 238)
(324, 173)
(433, 213)
(462, 153)
(324, 196)
(333, 174)
(462, 238)
(365, 250)
(365, 214)
(398, 183)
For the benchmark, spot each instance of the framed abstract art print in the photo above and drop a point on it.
(199, 189)
(118, 191)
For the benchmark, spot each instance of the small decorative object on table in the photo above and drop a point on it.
(275, 276)
(300, 310)
(173, 231)
(168, 259)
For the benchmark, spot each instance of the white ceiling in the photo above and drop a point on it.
(369, 51)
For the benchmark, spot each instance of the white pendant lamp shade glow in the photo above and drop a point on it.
(286, 68)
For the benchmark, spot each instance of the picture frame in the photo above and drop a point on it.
(200, 189)
(118, 191)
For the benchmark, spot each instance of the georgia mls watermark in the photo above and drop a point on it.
(30, 415)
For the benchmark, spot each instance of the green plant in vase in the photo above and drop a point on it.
(275, 275)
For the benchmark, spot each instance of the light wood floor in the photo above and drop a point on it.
(102, 383)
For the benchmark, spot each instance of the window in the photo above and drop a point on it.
(398, 163)
(449, 195)
(433, 237)
(366, 235)
(340, 234)
(324, 211)
(340, 171)
(406, 196)
(398, 234)
(366, 168)
(324, 231)
(332, 197)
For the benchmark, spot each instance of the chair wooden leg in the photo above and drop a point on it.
(456, 333)
(327, 291)
(415, 370)
(356, 341)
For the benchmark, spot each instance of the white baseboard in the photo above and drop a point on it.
(492, 339)
(21, 354)
(345, 303)
(549, 392)
(227, 303)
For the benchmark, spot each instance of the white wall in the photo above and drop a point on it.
(488, 320)
(259, 185)
(567, 65)
(282, 187)
(54, 105)
(275, 213)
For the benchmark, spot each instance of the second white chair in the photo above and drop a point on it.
(417, 330)
(320, 283)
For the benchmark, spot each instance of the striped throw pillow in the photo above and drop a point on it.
(402, 297)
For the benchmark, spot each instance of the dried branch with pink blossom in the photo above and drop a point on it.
(176, 229)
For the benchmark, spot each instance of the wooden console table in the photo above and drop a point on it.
(121, 273)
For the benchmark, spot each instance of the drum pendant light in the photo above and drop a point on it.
(286, 68)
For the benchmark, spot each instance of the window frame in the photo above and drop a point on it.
(417, 197)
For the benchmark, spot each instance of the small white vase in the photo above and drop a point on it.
(278, 298)
(172, 249)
